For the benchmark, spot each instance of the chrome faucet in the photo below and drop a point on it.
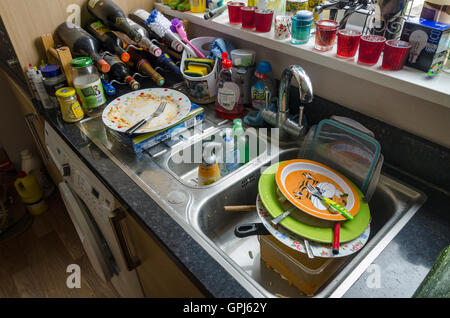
(280, 119)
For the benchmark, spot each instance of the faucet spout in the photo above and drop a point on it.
(304, 86)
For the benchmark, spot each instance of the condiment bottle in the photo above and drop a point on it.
(54, 79)
(71, 109)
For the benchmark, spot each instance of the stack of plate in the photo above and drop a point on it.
(282, 187)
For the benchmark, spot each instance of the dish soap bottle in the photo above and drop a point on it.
(208, 170)
(241, 143)
(232, 156)
(228, 92)
(262, 83)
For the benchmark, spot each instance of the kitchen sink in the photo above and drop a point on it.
(392, 205)
(199, 210)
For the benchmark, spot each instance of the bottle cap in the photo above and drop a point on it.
(21, 174)
(65, 92)
(264, 67)
(51, 71)
(125, 57)
(81, 61)
(103, 66)
(226, 63)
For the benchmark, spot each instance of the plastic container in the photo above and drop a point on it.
(54, 79)
(241, 142)
(33, 165)
(301, 27)
(201, 90)
(71, 109)
(243, 58)
(88, 85)
(308, 275)
(31, 193)
(261, 84)
(228, 101)
(231, 155)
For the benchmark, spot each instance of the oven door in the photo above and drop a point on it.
(92, 239)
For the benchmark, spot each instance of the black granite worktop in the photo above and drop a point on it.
(403, 263)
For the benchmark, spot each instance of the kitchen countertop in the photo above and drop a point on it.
(398, 270)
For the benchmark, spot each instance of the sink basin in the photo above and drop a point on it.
(392, 205)
(187, 172)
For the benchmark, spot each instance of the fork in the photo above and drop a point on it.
(142, 122)
(317, 193)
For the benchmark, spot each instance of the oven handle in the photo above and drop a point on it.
(115, 218)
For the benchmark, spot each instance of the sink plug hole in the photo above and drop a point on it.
(247, 181)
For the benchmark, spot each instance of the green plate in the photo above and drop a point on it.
(349, 229)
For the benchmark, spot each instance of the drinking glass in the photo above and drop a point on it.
(282, 27)
(370, 48)
(234, 11)
(395, 54)
(248, 17)
(263, 20)
(325, 34)
(347, 43)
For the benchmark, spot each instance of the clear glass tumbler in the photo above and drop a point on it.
(325, 34)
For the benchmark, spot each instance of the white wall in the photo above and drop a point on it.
(420, 117)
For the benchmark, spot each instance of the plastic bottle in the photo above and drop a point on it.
(228, 92)
(208, 170)
(31, 193)
(33, 165)
(54, 79)
(231, 152)
(241, 143)
(262, 83)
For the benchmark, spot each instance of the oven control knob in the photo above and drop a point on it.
(66, 170)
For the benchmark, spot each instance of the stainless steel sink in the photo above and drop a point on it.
(199, 210)
(391, 206)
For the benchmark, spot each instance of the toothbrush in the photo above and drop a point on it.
(161, 26)
(177, 26)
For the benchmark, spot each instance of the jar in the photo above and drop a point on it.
(71, 110)
(88, 85)
(54, 79)
(301, 27)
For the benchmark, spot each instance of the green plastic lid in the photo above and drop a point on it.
(81, 62)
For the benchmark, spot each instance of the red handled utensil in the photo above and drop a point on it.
(336, 231)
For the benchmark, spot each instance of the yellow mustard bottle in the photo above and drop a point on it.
(31, 193)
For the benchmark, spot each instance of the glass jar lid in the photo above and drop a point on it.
(81, 62)
(65, 92)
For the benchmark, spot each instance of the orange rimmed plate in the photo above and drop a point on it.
(292, 177)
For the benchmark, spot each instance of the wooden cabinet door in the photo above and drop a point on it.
(159, 275)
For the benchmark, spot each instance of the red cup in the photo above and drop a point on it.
(248, 17)
(263, 20)
(395, 54)
(325, 34)
(370, 48)
(234, 11)
(347, 43)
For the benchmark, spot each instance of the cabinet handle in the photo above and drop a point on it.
(116, 217)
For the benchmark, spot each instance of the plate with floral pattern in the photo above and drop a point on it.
(126, 110)
(296, 242)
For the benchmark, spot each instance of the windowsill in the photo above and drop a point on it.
(409, 80)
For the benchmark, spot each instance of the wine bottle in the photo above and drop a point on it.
(109, 40)
(81, 43)
(113, 16)
(119, 72)
(144, 67)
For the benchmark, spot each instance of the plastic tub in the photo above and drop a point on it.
(201, 90)
(307, 274)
